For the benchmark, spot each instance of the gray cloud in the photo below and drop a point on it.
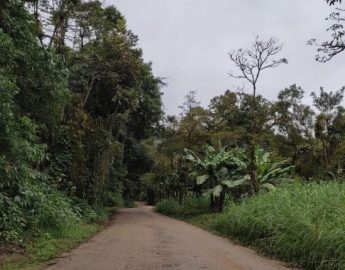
(188, 42)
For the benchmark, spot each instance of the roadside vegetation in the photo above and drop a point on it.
(190, 207)
(299, 223)
(49, 244)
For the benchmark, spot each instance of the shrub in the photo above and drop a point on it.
(113, 199)
(84, 210)
(40, 208)
(190, 206)
(51, 209)
(169, 207)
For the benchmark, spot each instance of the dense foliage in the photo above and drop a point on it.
(76, 101)
(219, 171)
(291, 137)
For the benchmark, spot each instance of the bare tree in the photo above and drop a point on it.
(250, 63)
(332, 2)
(330, 48)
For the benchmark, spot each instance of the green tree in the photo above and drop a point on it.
(326, 121)
(294, 123)
(228, 124)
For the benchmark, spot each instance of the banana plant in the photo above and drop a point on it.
(270, 173)
(218, 171)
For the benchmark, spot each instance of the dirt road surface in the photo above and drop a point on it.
(140, 239)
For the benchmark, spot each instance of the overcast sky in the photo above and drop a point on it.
(188, 43)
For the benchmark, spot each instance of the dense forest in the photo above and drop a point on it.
(82, 128)
(77, 100)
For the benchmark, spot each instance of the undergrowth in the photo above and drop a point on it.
(303, 224)
(190, 206)
(46, 224)
(50, 243)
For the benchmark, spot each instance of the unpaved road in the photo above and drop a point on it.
(140, 239)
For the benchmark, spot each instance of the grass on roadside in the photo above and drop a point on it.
(302, 224)
(51, 244)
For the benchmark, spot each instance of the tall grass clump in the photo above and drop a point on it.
(190, 206)
(301, 223)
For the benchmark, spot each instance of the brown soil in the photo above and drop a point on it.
(140, 239)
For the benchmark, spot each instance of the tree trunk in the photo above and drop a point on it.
(217, 203)
(252, 170)
(324, 152)
(252, 166)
